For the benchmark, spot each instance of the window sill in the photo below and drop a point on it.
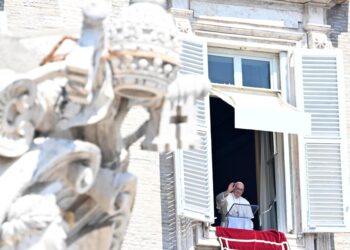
(205, 237)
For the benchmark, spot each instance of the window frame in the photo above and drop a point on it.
(238, 55)
(279, 80)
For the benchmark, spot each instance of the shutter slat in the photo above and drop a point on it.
(323, 149)
(320, 94)
(193, 167)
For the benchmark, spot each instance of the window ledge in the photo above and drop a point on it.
(206, 237)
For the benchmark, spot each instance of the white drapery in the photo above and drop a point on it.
(266, 180)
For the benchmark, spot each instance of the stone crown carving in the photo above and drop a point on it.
(144, 51)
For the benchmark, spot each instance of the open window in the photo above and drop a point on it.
(254, 157)
(245, 128)
(248, 156)
(248, 119)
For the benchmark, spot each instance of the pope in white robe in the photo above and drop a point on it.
(235, 210)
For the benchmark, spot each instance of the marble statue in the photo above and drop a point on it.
(63, 160)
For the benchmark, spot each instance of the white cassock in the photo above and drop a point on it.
(235, 212)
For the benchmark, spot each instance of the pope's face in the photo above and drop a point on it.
(238, 190)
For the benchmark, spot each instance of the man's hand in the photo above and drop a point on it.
(230, 188)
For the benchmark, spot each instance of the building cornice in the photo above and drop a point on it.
(246, 44)
(183, 13)
(317, 27)
(323, 3)
(232, 31)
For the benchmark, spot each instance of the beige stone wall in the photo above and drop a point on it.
(338, 17)
(342, 240)
(145, 228)
(32, 17)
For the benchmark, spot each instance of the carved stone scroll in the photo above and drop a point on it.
(114, 182)
(33, 216)
(44, 162)
(17, 98)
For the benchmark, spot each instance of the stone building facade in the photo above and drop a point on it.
(253, 27)
(338, 18)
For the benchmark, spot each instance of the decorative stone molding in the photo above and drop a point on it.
(318, 40)
(317, 36)
(183, 25)
(320, 2)
(246, 28)
(246, 34)
(317, 30)
(182, 19)
(184, 13)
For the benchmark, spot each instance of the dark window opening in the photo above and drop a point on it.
(236, 156)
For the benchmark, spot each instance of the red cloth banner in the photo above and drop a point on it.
(240, 239)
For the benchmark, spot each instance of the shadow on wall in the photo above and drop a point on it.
(2, 5)
(337, 18)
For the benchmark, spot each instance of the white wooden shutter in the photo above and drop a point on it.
(193, 168)
(323, 153)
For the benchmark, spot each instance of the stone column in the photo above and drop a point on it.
(315, 26)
